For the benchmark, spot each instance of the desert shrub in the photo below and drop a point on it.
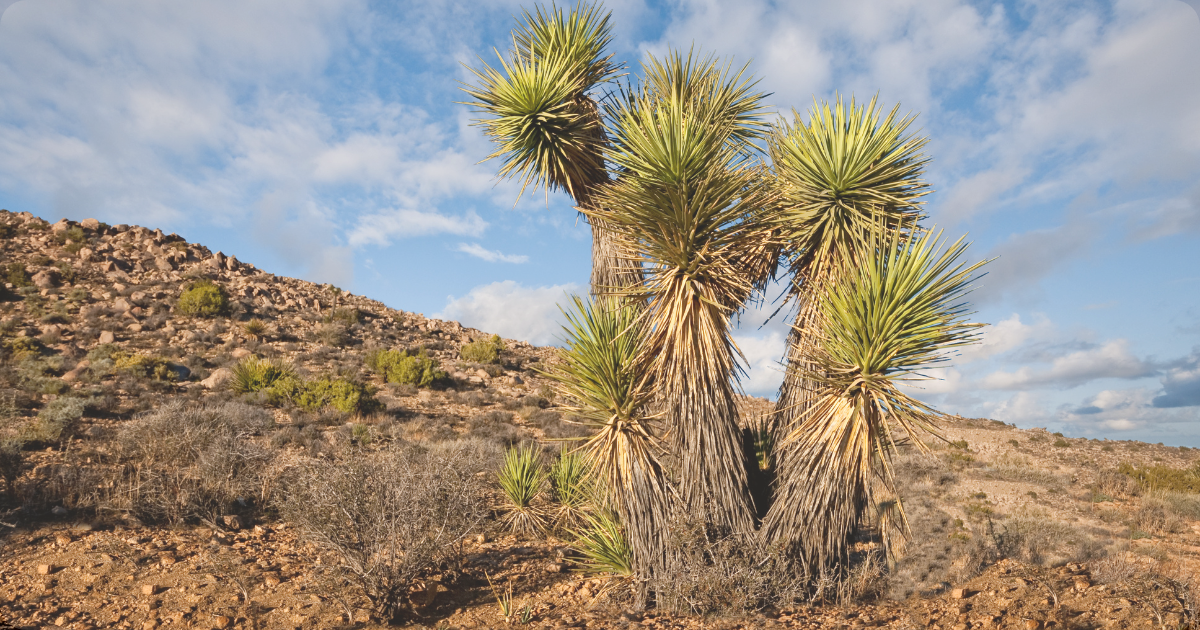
(390, 517)
(23, 348)
(339, 393)
(1039, 540)
(1061, 443)
(398, 366)
(16, 275)
(145, 366)
(192, 461)
(483, 350)
(57, 421)
(333, 334)
(203, 298)
(11, 460)
(347, 315)
(1117, 484)
(1164, 478)
(1182, 504)
(521, 479)
(253, 374)
(708, 572)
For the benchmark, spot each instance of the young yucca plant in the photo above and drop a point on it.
(600, 382)
(539, 111)
(880, 326)
(253, 374)
(602, 545)
(687, 207)
(521, 479)
(573, 488)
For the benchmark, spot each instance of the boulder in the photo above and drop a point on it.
(90, 224)
(217, 379)
(62, 226)
(45, 278)
(240, 353)
(107, 337)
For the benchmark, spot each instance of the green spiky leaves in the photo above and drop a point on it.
(536, 106)
(841, 176)
(880, 325)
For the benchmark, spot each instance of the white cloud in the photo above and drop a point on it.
(478, 251)
(381, 227)
(1111, 360)
(763, 353)
(1181, 383)
(512, 310)
(1004, 336)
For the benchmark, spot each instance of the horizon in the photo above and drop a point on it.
(322, 140)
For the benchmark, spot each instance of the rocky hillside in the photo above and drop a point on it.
(151, 481)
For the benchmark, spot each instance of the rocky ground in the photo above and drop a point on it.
(1012, 528)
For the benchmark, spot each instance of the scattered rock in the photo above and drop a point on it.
(45, 279)
(149, 589)
(221, 621)
(62, 540)
(240, 353)
(232, 521)
(107, 336)
(45, 569)
(217, 379)
(59, 510)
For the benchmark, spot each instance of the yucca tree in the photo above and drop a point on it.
(878, 325)
(600, 379)
(686, 207)
(539, 109)
(842, 178)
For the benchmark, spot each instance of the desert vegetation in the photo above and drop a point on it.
(186, 440)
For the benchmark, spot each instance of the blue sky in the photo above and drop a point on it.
(321, 139)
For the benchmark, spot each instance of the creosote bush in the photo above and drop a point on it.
(483, 350)
(398, 366)
(390, 517)
(338, 393)
(144, 366)
(203, 298)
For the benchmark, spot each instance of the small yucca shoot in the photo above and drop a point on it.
(253, 374)
(521, 478)
(602, 546)
(573, 488)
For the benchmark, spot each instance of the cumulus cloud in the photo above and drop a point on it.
(1111, 360)
(478, 251)
(512, 310)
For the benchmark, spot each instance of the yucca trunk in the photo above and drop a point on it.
(696, 366)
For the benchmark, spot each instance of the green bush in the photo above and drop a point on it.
(16, 275)
(313, 395)
(1164, 478)
(144, 366)
(483, 350)
(252, 374)
(602, 545)
(23, 348)
(397, 366)
(203, 298)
